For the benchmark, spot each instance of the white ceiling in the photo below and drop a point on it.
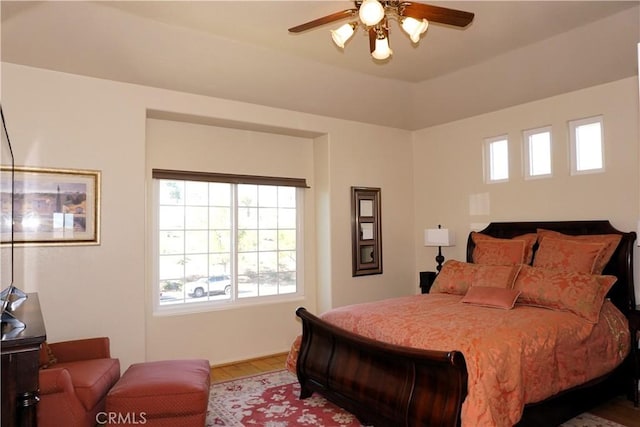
(513, 52)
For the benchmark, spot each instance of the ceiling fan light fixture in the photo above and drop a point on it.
(382, 50)
(414, 28)
(371, 12)
(341, 35)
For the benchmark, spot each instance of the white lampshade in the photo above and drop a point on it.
(439, 237)
(343, 34)
(414, 28)
(371, 12)
(382, 50)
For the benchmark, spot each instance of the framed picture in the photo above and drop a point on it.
(52, 207)
(366, 234)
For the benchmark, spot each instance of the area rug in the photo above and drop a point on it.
(271, 400)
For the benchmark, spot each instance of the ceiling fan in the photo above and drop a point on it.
(374, 17)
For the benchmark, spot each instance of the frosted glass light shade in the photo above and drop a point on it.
(343, 34)
(371, 12)
(382, 50)
(414, 28)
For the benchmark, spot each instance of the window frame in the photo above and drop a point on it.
(526, 150)
(487, 158)
(573, 126)
(233, 301)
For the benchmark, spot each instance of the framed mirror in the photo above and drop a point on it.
(366, 236)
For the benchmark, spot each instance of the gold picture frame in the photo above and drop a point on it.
(52, 207)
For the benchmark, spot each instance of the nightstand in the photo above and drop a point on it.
(634, 326)
(426, 280)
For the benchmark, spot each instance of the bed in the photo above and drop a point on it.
(391, 384)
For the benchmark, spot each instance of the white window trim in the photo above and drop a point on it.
(208, 306)
(486, 156)
(573, 124)
(526, 134)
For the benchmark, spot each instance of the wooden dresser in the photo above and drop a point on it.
(20, 363)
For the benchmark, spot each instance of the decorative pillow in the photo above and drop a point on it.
(503, 251)
(457, 277)
(568, 255)
(47, 358)
(610, 241)
(579, 293)
(491, 297)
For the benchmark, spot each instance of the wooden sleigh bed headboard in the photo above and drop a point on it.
(406, 386)
(622, 294)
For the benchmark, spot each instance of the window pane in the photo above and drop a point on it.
(219, 194)
(539, 152)
(199, 226)
(171, 242)
(171, 192)
(247, 218)
(196, 242)
(247, 195)
(268, 195)
(588, 147)
(171, 217)
(196, 193)
(499, 160)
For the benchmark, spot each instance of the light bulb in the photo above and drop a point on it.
(343, 34)
(382, 50)
(371, 12)
(414, 28)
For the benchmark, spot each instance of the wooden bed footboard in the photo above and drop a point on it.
(381, 384)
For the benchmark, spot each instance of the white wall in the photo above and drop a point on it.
(449, 157)
(67, 121)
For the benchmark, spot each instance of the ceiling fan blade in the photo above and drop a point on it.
(438, 14)
(372, 39)
(324, 20)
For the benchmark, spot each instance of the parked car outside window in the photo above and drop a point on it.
(217, 284)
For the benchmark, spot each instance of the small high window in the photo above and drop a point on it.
(537, 153)
(587, 145)
(496, 159)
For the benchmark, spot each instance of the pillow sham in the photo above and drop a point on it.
(568, 255)
(491, 297)
(508, 254)
(457, 277)
(610, 241)
(580, 293)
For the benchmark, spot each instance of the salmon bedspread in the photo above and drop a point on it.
(513, 357)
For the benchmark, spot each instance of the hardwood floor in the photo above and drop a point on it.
(619, 410)
(248, 367)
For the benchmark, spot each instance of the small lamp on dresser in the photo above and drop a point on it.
(439, 237)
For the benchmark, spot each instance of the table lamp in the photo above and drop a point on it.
(439, 237)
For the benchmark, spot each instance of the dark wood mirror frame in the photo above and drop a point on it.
(366, 236)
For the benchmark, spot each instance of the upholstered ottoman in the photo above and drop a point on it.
(171, 393)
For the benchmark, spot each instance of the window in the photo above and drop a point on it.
(587, 146)
(224, 239)
(496, 159)
(537, 152)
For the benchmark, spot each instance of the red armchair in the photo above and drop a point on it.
(75, 377)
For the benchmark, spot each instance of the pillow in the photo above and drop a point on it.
(457, 277)
(509, 254)
(568, 255)
(610, 241)
(47, 358)
(491, 297)
(580, 293)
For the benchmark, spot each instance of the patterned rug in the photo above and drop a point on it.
(271, 400)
